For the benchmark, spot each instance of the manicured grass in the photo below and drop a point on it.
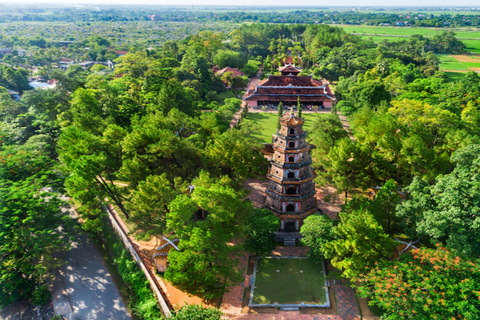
(267, 123)
(289, 285)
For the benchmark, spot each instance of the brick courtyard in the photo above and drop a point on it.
(233, 307)
(346, 307)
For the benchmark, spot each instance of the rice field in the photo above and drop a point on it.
(463, 63)
(378, 34)
(472, 32)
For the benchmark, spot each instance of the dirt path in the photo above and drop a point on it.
(251, 83)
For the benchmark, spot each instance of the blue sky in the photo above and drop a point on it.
(436, 3)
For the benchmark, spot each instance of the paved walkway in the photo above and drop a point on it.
(83, 288)
(238, 115)
(232, 302)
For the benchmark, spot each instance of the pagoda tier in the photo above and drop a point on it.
(290, 192)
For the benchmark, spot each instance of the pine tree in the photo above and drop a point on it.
(280, 114)
(299, 108)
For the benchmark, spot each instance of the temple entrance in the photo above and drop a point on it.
(290, 208)
(291, 191)
(292, 131)
(291, 159)
(291, 144)
(291, 175)
(290, 226)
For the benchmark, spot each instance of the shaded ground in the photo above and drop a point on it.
(257, 191)
(22, 310)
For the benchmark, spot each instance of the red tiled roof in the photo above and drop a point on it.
(121, 52)
(235, 72)
(291, 120)
(296, 81)
(289, 69)
(66, 60)
(290, 88)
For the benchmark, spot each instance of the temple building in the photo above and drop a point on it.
(290, 192)
(288, 88)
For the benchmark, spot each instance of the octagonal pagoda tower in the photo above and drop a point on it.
(290, 192)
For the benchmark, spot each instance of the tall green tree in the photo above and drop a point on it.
(280, 114)
(206, 221)
(382, 207)
(347, 167)
(235, 153)
(148, 206)
(447, 211)
(260, 230)
(361, 242)
(299, 108)
(317, 230)
(30, 217)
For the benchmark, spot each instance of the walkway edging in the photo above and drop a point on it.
(128, 245)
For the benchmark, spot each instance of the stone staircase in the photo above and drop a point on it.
(289, 242)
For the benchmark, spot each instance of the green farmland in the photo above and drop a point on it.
(409, 31)
(378, 34)
(450, 63)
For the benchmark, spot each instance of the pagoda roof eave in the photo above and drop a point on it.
(290, 151)
(290, 181)
(293, 97)
(293, 215)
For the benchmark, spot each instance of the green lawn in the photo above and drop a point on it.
(297, 281)
(267, 124)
